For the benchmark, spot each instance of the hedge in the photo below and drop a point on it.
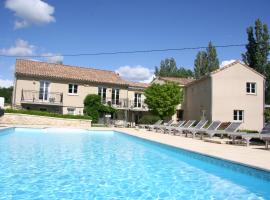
(47, 114)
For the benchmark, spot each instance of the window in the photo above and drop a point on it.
(44, 90)
(251, 88)
(138, 100)
(102, 93)
(115, 96)
(238, 115)
(72, 89)
(71, 111)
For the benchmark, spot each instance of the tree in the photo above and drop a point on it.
(206, 61)
(212, 60)
(200, 64)
(162, 99)
(94, 108)
(7, 94)
(168, 68)
(257, 52)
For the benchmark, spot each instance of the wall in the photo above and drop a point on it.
(69, 100)
(197, 98)
(22, 119)
(229, 93)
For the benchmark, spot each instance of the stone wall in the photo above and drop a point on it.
(23, 119)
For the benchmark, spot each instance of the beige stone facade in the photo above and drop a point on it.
(225, 95)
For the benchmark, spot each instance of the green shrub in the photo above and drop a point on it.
(267, 115)
(47, 114)
(149, 119)
(94, 108)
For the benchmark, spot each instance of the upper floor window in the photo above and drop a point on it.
(138, 100)
(115, 96)
(238, 115)
(251, 88)
(102, 93)
(72, 89)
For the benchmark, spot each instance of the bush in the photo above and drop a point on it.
(94, 108)
(47, 114)
(267, 115)
(149, 119)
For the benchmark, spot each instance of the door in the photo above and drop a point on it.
(44, 90)
(138, 100)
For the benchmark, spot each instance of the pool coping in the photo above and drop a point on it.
(177, 142)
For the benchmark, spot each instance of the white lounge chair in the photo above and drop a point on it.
(185, 126)
(264, 134)
(162, 126)
(211, 128)
(232, 128)
(152, 127)
(168, 129)
(194, 130)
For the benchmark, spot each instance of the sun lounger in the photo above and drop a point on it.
(232, 128)
(167, 129)
(212, 127)
(152, 127)
(194, 130)
(148, 125)
(264, 135)
(162, 126)
(178, 130)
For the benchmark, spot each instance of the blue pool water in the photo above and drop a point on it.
(67, 164)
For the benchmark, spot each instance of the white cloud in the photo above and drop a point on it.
(21, 48)
(52, 58)
(6, 83)
(30, 12)
(136, 73)
(226, 62)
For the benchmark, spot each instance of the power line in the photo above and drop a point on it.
(123, 52)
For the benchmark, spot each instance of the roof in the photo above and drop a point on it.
(224, 68)
(138, 84)
(178, 80)
(72, 73)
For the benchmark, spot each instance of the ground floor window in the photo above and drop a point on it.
(71, 111)
(180, 115)
(238, 115)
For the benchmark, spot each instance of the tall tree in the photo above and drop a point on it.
(168, 68)
(206, 61)
(212, 59)
(162, 99)
(200, 64)
(257, 53)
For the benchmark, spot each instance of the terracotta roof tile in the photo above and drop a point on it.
(138, 84)
(181, 81)
(66, 72)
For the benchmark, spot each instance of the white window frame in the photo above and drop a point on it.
(249, 88)
(45, 90)
(115, 96)
(237, 114)
(71, 110)
(102, 92)
(73, 89)
(137, 100)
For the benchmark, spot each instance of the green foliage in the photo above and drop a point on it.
(200, 64)
(168, 68)
(257, 53)
(47, 114)
(149, 119)
(163, 99)
(206, 61)
(267, 115)
(7, 94)
(94, 108)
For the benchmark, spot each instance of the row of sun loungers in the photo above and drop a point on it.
(212, 129)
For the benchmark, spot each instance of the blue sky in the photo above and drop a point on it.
(30, 27)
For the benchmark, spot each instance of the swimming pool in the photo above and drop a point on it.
(78, 164)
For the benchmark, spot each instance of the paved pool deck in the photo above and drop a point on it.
(254, 155)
